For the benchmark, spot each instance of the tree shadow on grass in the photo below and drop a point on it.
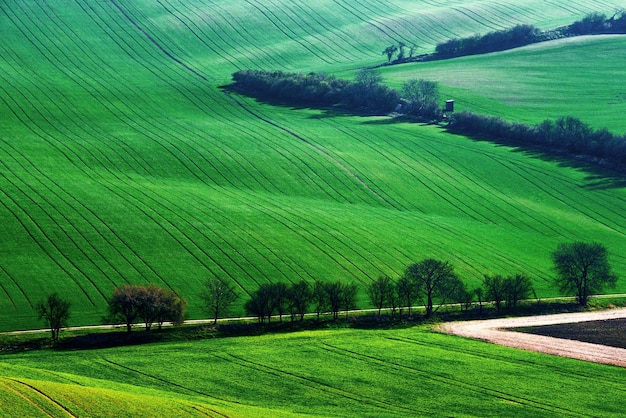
(598, 175)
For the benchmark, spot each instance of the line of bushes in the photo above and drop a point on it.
(520, 35)
(567, 134)
(366, 93)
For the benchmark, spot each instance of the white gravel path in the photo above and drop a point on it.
(495, 331)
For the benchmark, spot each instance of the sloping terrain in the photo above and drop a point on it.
(123, 161)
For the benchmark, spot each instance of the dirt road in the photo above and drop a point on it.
(495, 331)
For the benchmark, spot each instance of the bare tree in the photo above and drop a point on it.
(300, 297)
(319, 297)
(124, 305)
(218, 296)
(517, 288)
(494, 289)
(149, 303)
(348, 296)
(407, 292)
(55, 311)
(434, 279)
(582, 269)
(389, 51)
(380, 292)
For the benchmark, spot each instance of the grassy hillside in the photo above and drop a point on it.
(122, 160)
(410, 372)
(580, 77)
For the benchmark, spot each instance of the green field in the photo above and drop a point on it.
(347, 373)
(123, 161)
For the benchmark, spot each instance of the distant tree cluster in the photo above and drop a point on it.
(567, 134)
(598, 23)
(517, 36)
(280, 298)
(366, 93)
(149, 304)
(520, 35)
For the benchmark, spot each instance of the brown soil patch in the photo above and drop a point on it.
(498, 331)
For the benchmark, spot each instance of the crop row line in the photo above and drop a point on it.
(448, 380)
(318, 384)
(482, 354)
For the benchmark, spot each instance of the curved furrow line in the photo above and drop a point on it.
(12, 279)
(433, 30)
(495, 213)
(191, 138)
(64, 130)
(80, 208)
(188, 225)
(239, 28)
(53, 125)
(497, 161)
(567, 6)
(402, 164)
(318, 384)
(183, 239)
(322, 189)
(106, 186)
(509, 261)
(36, 229)
(319, 150)
(307, 235)
(479, 353)
(405, 165)
(514, 14)
(65, 225)
(246, 236)
(309, 32)
(126, 15)
(216, 26)
(363, 19)
(617, 211)
(351, 169)
(345, 37)
(162, 380)
(275, 20)
(475, 17)
(573, 204)
(64, 228)
(13, 390)
(391, 15)
(195, 30)
(44, 395)
(121, 149)
(449, 380)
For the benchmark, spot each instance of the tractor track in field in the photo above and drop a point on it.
(498, 331)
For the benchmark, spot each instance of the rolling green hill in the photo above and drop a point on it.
(121, 159)
(347, 373)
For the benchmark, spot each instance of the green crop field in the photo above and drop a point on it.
(122, 160)
(347, 373)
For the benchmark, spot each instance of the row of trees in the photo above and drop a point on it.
(295, 299)
(567, 134)
(582, 269)
(366, 93)
(493, 41)
(400, 50)
(520, 35)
